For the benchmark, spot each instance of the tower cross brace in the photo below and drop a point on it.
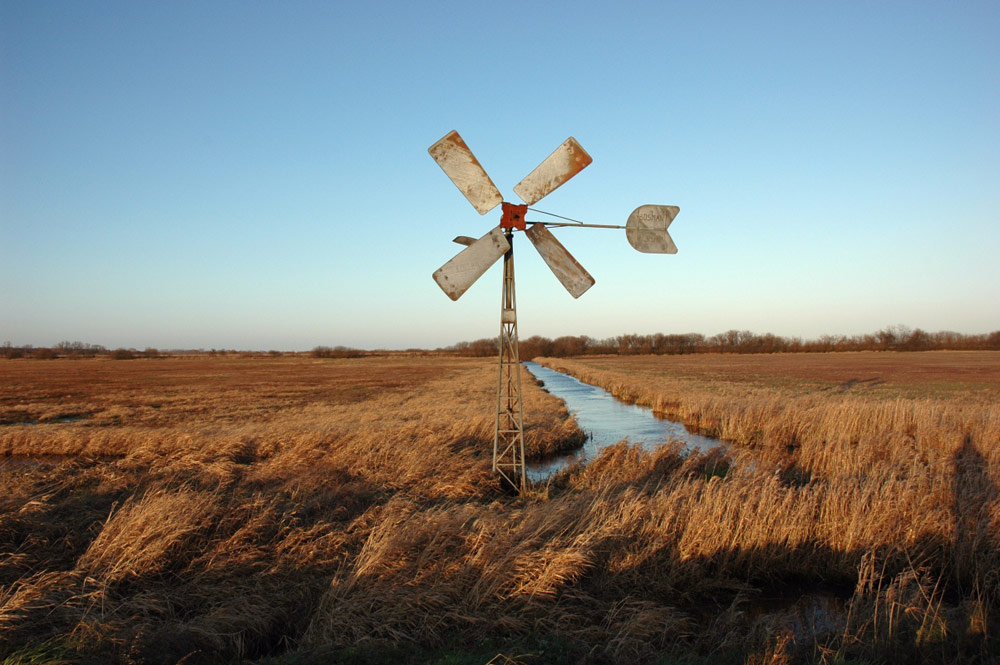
(508, 437)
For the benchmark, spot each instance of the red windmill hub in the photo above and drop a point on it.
(513, 216)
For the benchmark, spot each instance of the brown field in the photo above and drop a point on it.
(950, 375)
(113, 408)
(289, 510)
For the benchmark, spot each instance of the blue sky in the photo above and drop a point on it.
(256, 176)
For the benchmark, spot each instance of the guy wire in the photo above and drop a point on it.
(551, 214)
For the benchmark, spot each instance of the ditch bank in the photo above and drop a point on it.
(606, 421)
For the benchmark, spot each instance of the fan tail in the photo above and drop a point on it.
(646, 229)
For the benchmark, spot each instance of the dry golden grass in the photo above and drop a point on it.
(808, 409)
(222, 509)
(938, 374)
(113, 408)
(222, 472)
(827, 478)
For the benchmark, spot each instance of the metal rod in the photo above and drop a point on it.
(552, 214)
(580, 225)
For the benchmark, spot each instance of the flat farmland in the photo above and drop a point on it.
(166, 391)
(296, 510)
(864, 457)
(197, 509)
(113, 408)
(947, 375)
(787, 407)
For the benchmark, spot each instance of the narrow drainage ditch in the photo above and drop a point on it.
(606, 421)
(71, 418)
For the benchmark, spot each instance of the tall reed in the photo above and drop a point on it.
(367, 525)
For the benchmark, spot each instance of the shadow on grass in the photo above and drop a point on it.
(255, 597)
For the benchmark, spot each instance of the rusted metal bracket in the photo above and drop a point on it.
(513, 216)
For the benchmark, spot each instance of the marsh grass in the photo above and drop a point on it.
(344, 511)
(204, 506)
(822, 483)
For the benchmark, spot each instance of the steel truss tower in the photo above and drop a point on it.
(508, 437)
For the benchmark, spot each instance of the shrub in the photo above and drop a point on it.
(336, 352)
(10, 351)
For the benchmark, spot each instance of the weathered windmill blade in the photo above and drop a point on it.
(461, 272)
(457, 161)
(565, 162)
(646, 229)
(562, 264)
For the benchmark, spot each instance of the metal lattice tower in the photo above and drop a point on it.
(646, 231)
(508, 437)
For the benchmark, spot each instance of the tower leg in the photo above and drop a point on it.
(508, 438)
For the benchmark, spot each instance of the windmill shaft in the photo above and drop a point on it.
(508, 437)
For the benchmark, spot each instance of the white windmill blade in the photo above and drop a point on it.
(565, 162)
(646, 229)
(457, 161)
(562, 264)
(461, 272)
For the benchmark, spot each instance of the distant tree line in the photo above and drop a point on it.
(73, 350)
(892, 338)
(336, 352)
(76, 350)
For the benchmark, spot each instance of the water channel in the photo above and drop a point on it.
(606, 421)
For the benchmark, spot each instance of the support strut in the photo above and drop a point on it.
(508, 438)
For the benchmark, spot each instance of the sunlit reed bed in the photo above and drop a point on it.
(291, 511)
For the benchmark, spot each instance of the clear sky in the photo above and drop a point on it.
(255, 175)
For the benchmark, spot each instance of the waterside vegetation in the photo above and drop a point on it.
(296, 510)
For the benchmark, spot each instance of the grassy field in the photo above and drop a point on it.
(971, 376)
(291, 510)
(877, 470)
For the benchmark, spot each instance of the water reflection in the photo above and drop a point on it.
(606, 421)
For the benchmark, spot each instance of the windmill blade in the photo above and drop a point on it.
(562, 264)
(461, 272)
(565, 162)
(646, 229)
(457, 161)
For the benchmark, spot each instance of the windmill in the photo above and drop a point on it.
(646, 231)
